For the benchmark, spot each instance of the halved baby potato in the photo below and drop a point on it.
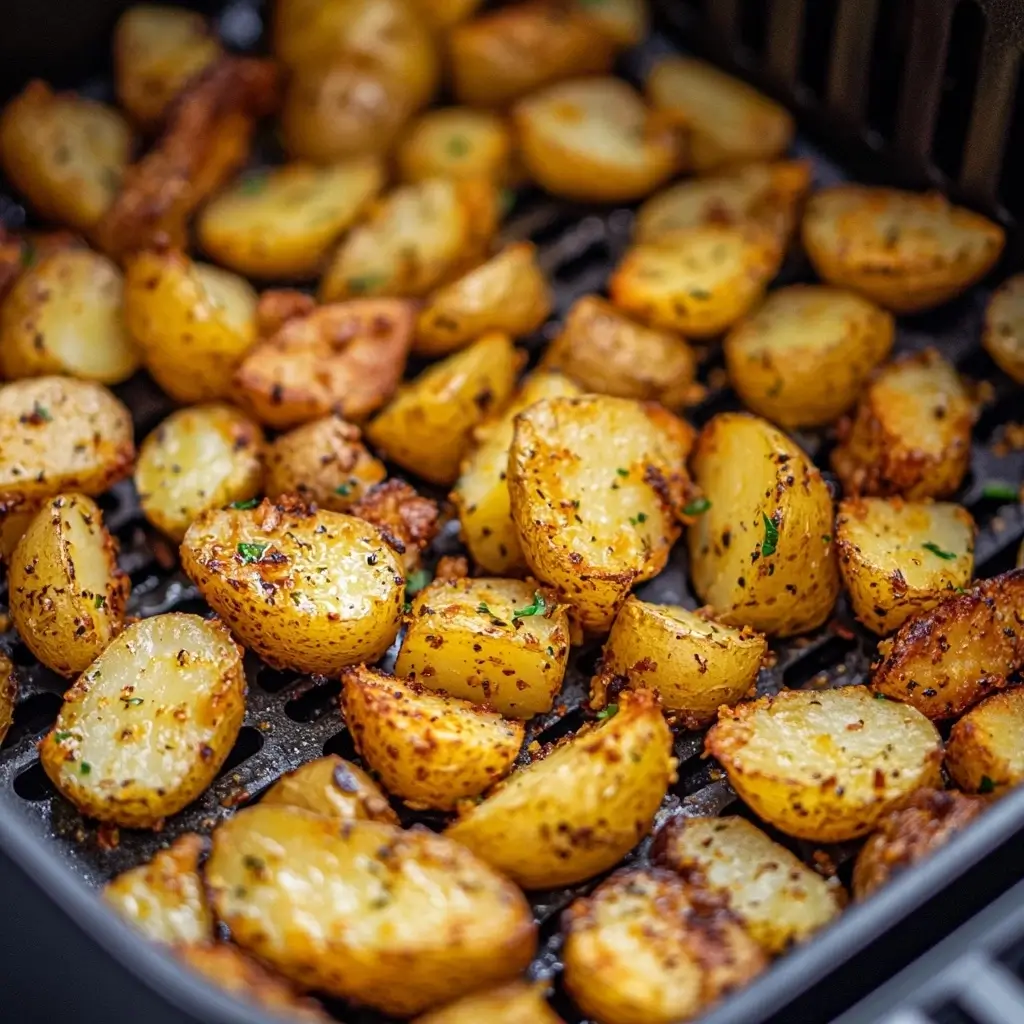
(825, 765)
(899, 558)
(456, 142)
(518, 1002)
(985, 752)
(624, 21)
(906, 251)
(803, 357)
(8, 694)
(145, 730)
(1004, 327)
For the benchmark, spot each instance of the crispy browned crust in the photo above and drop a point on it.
(407, 520)
(8, 694)
(279, 305)
(11, 250)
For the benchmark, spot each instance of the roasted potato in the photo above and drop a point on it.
(165, 897)
(597, 485)
(407, 520)
(604, 351)
(427, 428)
(345, 358)
(906, 251)
(624, 21)
(779, 900)
(1004, 327)
(761, 552)
(8, 694)
(825, 765)
(985, 752)
(699, 281)
(66, 593)
(440, 15)
(434, 922)
(192, 322)
(310, 590)
(595, 140)
(199, 458)
(283, 222)
(457, 142)
(728, 123)
(802, 359)
(948, 657)
(64, 153)
(518, 1002)
(911, 432)
(581, 809)
(504, 643)
(694, 663)
(145, 730)
(899, 558)
(644, 948)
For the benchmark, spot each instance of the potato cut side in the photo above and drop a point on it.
(1004, 328)
(457, 142)
(985, 752)
(8, 694)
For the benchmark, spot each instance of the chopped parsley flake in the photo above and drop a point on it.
(132, 702)
(343, 489)
(365, 283)
(622, 472)
(483, 609)
(85, 767)
(250, 553)
(539, 607)
(697, 507)
(417, 581)
(609, 712)
(41, 413)
(771, 537)
(458, 145)
(243, 505)
(938, 552)
(407, 607)
(881, 696)
(253, 184)
(551, 652)
(986, 785)
(100, 601)
(62, 735)
(640, 517)
(1000, 490)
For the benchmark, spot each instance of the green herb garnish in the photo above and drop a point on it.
(484, 610)
(539, 607)
(458, 145)
(85, 767)
(40, 412)
(343, 489)
(407, 607)
(250, 553)
(253, 184)
(365, 283)
(699, 293)
(1000, 490)
(986, 785)
(697, 507)
(417, 581)
(62, 735)
(622, 472)
(28, 253)
(551, 652)
(771, 537)
(938, 552)
(132, 702)
(640, 517)
(881, 696)
(826, 538)
(100, 601)
(609, 712)
(243, 505)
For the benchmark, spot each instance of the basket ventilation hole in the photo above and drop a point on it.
(753, 25)
(33, 784)
(830, 654)
(1011, 178)
(819, 21)
(888, 56)
(248, 744)
(342, 744)
(314, 703)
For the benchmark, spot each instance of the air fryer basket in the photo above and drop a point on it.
(872, 79)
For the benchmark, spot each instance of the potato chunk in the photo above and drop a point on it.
(825, 766)
(515, 1003)
(625, 22)
(1004, 327)
(985, 753)
(457, 142)
(334, 788)
(406, 519)
(8, 694)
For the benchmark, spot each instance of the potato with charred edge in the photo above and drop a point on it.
(579, 810)
(344, 358)
(457, 142)
(165, 897)
(66, 593)
(145, 730)
(693, 663)
(276, 306)
(984, 752)
(645, 948)
(899, 558)
(1004, 327)
(947, 658)
(518, 1002)
(435, 921)
(406, 520)
(779, 900)
(761, 552)
(907, 835)
(504, 643)
(8, 694)
(825, 766)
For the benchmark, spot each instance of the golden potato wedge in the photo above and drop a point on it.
(157, 49)
(406, 519)
(595, 140)
(8, 694)
(907, 835)
(625, 22)
(508, 293)
(334, 788)
(948, 657)
(465, 638)
(802, 358)
(145, 730)
(698, 281)
(695, 664)
(825, 765)
(644, 948)
(597, 485)
(779, 900)
(66, 593)
(427, 427)
(581, 809)
(1004, 327)
(165, 897)
(64, 153)
(761, 553)
(985, 752)
(440, 15)
(906, 251)
(283, 222)
(899, 558)
(310, 590)
(518, 1002)
(604, 351)
(911, 432)
(456, 142)
(433, 921)
(199, 458)
(345, 358)
(728, 122)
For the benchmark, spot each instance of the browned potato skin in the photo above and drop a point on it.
(8, 694)
(406, 520)
(1004, 327)
(516, 1003)
(983, 754)
(335, 788)
(908, 835)
(457, 142)
(946, 659)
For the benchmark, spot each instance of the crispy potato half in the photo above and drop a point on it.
(948, 657)
(597, 485)
(899, 558)
(625, 22)
(518, 1002)
(66, 593)
(456, 142)
(579, 810)
(779, 900)
(644, 948)
(145, 730)
(985, 752)
(199, 458)
(8, 694)
(165, 897)
(761, 552)
(693, 663)
(406, 519)
(906, 251)
(433, 921)
(825, 765)
(1004, 327)
(503, 643)
(803, 357)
